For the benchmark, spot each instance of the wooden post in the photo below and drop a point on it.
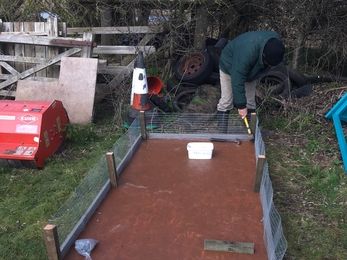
(52, 31)
(111, 165)
(259, 173)
(87, 51)
(52, 242)
(252, 122)
(143, 125)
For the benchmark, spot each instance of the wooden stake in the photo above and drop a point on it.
(259, 173)
(143, 125)
(227, 246)
(52, 242)
(112, 170)
(252, 122)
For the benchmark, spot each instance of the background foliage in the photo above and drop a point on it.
(314, 30)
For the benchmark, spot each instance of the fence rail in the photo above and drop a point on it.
(27, 50)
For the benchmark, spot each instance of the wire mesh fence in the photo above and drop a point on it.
(71, 217)
(274, 239)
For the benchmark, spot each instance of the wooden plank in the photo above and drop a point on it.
(122, 76)
(111, 165)
(52, 31)
(123, 50)
(40, 51)
(111, 70)
(29, 50)
(22, 59)
(259, 173)
(52, 27)
(7, 93)
(227, 246)
(52, 242)
(116, 30)
(9, 68)
(87, 51)
(19, 48)
(141, 44)
(38, 67)
(36, 40)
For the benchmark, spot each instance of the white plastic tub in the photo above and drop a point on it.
(200, 150)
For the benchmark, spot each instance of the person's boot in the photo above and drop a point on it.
(222, 121)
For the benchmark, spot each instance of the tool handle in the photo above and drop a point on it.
(246, 123)
(218, 140)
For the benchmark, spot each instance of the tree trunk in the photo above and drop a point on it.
(106, 21)
(297, 50)
(200, 28)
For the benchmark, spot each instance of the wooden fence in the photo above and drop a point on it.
(33, 50)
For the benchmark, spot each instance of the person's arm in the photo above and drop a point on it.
(239, 74)
(245, 60)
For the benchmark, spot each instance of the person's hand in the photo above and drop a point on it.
(242, 112)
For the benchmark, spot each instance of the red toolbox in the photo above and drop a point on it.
(30, 131)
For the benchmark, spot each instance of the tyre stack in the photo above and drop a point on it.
(202, 67)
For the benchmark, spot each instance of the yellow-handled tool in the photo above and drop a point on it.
(246, 123)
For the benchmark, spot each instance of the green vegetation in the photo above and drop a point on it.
(305, 166)
(28, 197)
(309, 181)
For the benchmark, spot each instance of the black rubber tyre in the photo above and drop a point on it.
(183, 99)
(194, 68)
(298, 79)
(275, 83)
(214, 57)
(173, 86)
(161, 103)
(300, 92)
(213, 78)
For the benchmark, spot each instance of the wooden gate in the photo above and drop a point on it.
(33, 50)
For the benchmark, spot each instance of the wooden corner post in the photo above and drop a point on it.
(143, 125)
(112, 170)
(259, 173)
(52, 242)
(252, 122)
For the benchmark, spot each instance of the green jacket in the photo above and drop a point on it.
(242, 58)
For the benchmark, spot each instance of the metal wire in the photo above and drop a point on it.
(69, 215)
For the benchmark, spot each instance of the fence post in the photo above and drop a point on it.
(52, 242)
(259, 172)
(111, 165)
(252, 122)
(143, 125)
(87, 51)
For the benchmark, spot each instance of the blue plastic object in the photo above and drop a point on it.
(338, 113)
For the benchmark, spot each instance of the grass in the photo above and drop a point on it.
(309, 181)
(309, 184)
(28, 197)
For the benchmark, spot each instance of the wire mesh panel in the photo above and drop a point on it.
(194, 123)
(78, 206)
(274, 239)
(74, 214)
(75, 207)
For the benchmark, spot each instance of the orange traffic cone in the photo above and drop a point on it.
(139, 90)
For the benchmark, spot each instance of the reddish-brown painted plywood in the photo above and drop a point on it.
(166, 205)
